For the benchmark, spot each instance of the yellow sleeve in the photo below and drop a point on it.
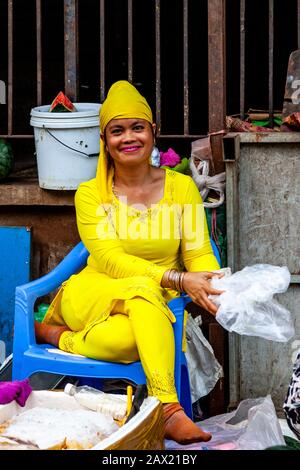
(97, 231)
(197, 253)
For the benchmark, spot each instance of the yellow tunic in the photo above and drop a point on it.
(116, 308)
(131, 249)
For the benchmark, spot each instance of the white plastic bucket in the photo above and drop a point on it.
(67, 145)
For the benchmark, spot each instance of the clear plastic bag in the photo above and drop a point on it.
(252, 426)
(204, 369)
(247, 306)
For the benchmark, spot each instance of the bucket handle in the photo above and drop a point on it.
(71, 148)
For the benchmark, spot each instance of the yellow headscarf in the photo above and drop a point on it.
(122, 101)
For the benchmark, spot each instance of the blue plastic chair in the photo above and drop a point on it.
(29, 357)
(216, 251)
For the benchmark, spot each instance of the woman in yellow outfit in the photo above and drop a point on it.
(147, 236)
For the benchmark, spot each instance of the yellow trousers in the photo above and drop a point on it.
(135, 330)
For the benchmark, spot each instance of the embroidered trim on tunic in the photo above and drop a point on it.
(159, 385)
(67, 341)
(152, 271)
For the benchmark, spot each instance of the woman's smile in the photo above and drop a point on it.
(130, 149)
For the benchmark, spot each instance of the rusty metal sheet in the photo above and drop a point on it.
(263, 213)
(157, 67)
(39, 74)
(130, 41)
(216, 77)
(71, 48)
(185, 68)
(102, 50)
(271, 63)
(242, 57)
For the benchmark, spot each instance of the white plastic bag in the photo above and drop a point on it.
(247, 305)
(204, 369)
(200, 162)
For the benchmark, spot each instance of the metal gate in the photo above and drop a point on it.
(83, 46)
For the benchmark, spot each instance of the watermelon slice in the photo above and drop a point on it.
(62, 104)
(182, 167)
(6, 159)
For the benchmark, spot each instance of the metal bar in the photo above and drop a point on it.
(102, 50)
(129, 21)
(71, 48)
(17, 136)
(181, 136)
(161, 136)
(157, 67)
(185, 67)
(39, 51)
(216, 77)
(232, 204)
(232, 223)
(242, 58)
(298, 23)
(10, 68)
(271, 62)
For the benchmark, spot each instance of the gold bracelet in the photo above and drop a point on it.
(175, 279)
(172, 278)
(181, 281)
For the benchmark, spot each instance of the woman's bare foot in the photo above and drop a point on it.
(48, 334)
(180, 428)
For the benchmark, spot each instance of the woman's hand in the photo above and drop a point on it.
(197, 285)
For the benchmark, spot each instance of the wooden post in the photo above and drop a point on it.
(216, 77)
(218, 397)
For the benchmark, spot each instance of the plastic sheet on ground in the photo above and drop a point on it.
(252, 426)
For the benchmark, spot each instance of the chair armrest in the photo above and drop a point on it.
(177, 306)
(27, 294)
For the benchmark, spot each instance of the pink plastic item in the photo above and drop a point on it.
(225, 446)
